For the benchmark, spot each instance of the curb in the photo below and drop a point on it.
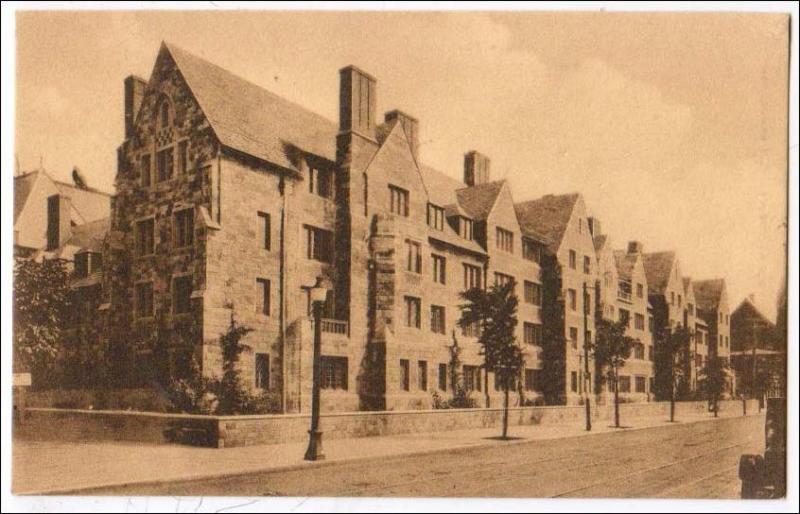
(325, 463)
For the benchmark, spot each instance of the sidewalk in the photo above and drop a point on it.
(52, 467)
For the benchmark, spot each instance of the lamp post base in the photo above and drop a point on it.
(314, 451)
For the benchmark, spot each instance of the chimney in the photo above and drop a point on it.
(635, 247)
(594, 226)
(476, 168)
(357, 101)
(134, 92)
(752, 298)
(59, 224)
(410, 127)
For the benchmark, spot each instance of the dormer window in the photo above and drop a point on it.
(465, 228)
(531, 251)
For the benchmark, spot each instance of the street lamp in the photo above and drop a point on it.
(318, 293)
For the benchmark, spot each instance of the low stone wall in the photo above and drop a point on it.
(120, 399)
(231, 431)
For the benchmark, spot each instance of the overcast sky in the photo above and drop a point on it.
(672, 126)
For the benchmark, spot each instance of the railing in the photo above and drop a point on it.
(334, 326)
(623, 295)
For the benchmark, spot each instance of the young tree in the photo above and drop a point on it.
(42, 311)
(496, 312)
(672, 354)
(233, 397)
(611, 348)
(713, 380)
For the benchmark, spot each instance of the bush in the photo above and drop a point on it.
(462, 399)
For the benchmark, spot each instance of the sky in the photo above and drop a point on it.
(672, 126)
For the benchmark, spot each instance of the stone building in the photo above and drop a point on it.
(712, 305)
(231, 201)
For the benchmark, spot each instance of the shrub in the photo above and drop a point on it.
(462, 399)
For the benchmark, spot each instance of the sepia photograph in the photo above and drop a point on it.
(330, 252)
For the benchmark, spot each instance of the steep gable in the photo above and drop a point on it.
(709, 294)
(658, 268)
(547, 217)
(478, 201)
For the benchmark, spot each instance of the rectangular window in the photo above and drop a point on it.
(501, 279)
(512, 383)
(264, 231)
(532, 333)
(624, 384)
(471, 330)
(145, 234)
(531, 376)
(262, 371)
(650, 353)
(263, 296)
(443, 377)
(144, 299)
(145, 170)
(587, 264)
(472, 378)
(465, 228)
(472, 276)
(399, 201)
(414, 256)
(320, 182)
(533, 293)
(435, 217)
(672, 298)
(573, 259)
(333, 372)
(164, 164)
(640, 290)
(319, 244)
(638, 321)
(412, 312)
(53, 221)
(422, 375)
(638, 351)
(404, 375)
(505, 240)
(531, 251)
(183, 223)
(573, 336)
(81, 265)
(573, 381)
(439, 269)
(181, 294)
(183, 157)
(625, 317)
(650, 324)
(437, 319)
(572, 296)
(690, 308)
(640, 384)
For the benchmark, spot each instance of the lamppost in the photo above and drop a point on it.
(586, 376)
(318, 293)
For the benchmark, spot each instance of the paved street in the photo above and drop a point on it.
(682, 460)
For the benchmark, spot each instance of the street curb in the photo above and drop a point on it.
(320, 464)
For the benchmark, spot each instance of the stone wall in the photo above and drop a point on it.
(232, 431)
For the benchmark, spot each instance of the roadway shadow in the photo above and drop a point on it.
(621, 427)
(501, 438)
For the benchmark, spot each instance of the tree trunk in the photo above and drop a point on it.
(486, 385)
(672, 396)
(716, 406)
(616, 399)
(505, 411)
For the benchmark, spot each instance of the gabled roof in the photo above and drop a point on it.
(657, 267)
(23, 185)
(708, 293)
(625, 262)
(747, 306)
(479, 200)
(90, 236)
(89, 204)
(547, 217)
(250, 119)
(687, 281)
(441, 187)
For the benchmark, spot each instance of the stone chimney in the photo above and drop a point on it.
(357, 101)
(635, 247)
(59, 224)
(410, 126)
(134, 92)
(476, 168)
(594, 226)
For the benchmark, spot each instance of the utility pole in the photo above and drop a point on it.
(586, 380)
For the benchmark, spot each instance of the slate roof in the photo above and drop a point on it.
(479, 200)
(23, 185)
(625, 263)
(749, 307)
(90, 204)
(657, 267)
(708, 293)
(546, 218)
(252, 120)
(90, 236)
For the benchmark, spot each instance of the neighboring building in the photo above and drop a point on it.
(667, 298)
(561, 221)
(233, 200)
(712, 306)
(698, 345)
(47, 211)
(754, 337)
